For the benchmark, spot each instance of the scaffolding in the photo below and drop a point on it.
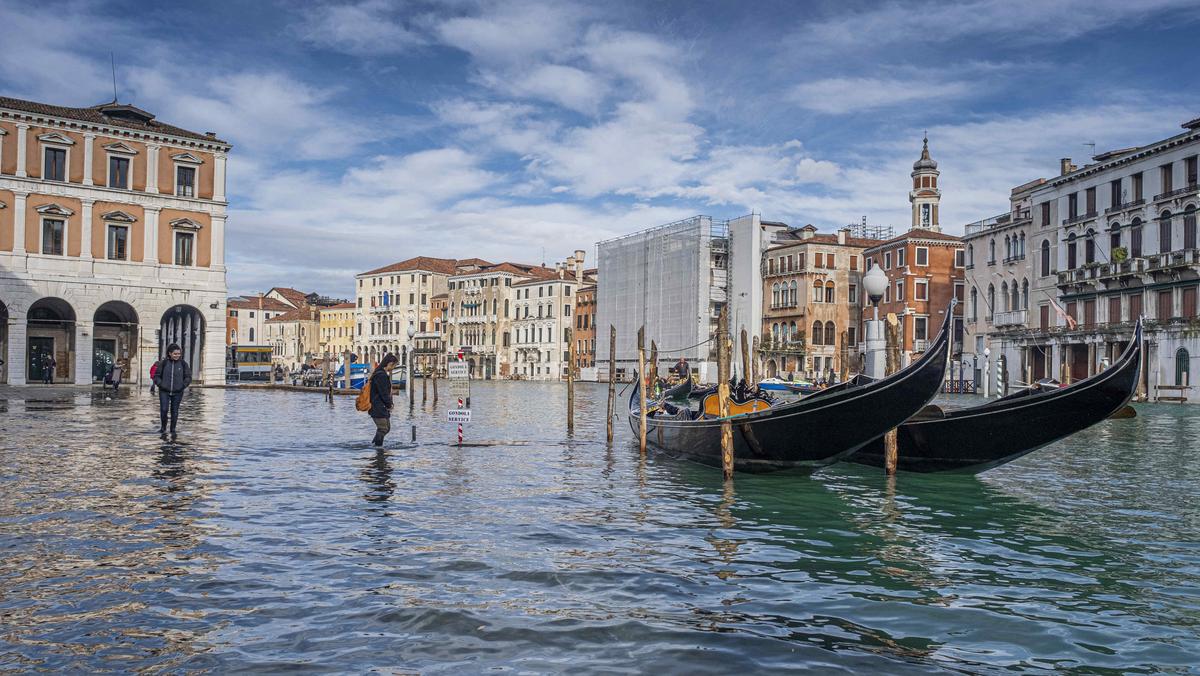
(865, 231)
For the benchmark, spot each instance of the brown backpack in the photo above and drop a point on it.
(363, 401)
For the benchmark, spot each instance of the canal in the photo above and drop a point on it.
(274, 537)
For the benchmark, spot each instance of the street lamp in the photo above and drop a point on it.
(875, 282)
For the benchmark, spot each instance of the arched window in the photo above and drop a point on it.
(830, 334)
(770, 266)
(1045, 258)
(818, 292)
(792, 335)
(793, 298)
(774, 295)
(1004, 295)
(1016, 297)
(1189, 227)
(1021, 249)
(1114, 238)
(974, 303)
(970, 255)
(817, 333)
(1182, 368)
(1007, 247)
(1025, 294)
(775, 333)
(1089, 247)
(1164, 233)
(1135, 238)
(829, 292)
(991, 300)
(992, 251)
(1072, 258)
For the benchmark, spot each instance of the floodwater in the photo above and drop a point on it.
(273, 537)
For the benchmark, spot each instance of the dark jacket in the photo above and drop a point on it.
(381, 394)
(173, 376)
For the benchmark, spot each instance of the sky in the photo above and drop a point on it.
(367, 132)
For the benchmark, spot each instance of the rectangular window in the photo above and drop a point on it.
(960, 258)
(854, 262)
(819, 260)
(118, 242)
(1189, 302)
(1089, 313)
(800, 261)
(1114, 189)
(185, 181)
(830, 261)
(185, 245)
(56, 164)
(1164, 305)
(1114, 309)
(1045, 317)
(1045, 208)
(1091, 201)
(899, 290)
(1073, 310)
(900, 262)
(424, 299)
(1191, 168)
(1168, 184)
(411, 298)
(920, 290)
(1073, 206)
(852, 336)
(1135, 306)
(887, 294)
(118, 172)
(887, 260)
(1137, 186)
(853, 291)
(960, 290)
(920, 328)
(923, 255)
(1164, 235)
(53, 235)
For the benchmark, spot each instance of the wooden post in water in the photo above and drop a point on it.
(348, 363)
(641, 347)
(892, 364)
(424, 384)
(570, 380)
(746, 358)
(724, 356)
(612, 377)
(755, 362)
(325, 377)
(654, 367)
(434, 372)
(844, 373)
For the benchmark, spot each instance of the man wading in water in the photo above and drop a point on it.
(381, 398)
(172, 378)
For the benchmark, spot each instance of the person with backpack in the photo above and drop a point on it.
(376, 397)
(172, 378)
(153, 370)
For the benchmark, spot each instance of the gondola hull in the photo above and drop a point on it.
(808, 433)
(977, 439)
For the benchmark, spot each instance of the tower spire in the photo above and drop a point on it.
(925, 195)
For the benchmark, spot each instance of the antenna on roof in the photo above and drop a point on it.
(1092, 145)
(113, 59)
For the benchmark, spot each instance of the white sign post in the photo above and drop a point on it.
(460, 387)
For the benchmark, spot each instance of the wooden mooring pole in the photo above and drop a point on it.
(348, 363)
(435, 378)
(654, 368)
(325, 377)
(724, 355)
(612, 377)
(892, 364)
(641, 348)
(844, 372)
(755, 362)
(424, 385)
(746, 359)
(570, 380)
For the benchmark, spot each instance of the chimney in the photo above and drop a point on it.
(210, 134)
(1065, 167)
(806, 233)
(579, 254)
(842, 235)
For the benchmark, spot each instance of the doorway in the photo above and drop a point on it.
(104, 355)
(40, 350)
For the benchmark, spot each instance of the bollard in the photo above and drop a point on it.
(612, 376)
(641, 347)
(414, 434)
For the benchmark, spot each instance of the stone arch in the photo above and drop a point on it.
(50, 334)
(115, 340)
(183, 325)
(772, 369)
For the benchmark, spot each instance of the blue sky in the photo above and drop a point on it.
(367, 132)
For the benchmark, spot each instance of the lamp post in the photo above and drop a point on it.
(987, 364)
(874, 284)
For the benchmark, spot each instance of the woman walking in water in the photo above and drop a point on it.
(172, 378)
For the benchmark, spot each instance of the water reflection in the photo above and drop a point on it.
(274, 537)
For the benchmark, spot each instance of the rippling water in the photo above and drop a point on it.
(274, 537)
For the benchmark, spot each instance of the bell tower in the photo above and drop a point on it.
(925, 194)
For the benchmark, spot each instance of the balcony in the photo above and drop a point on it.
(920, 345)
(1124, 207)
(1013, 318)
(1079, 219)
(1079, 276)
(1127, 268)
(1009, 260)
(1173, 260)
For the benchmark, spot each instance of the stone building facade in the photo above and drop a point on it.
(337, 329)
(397, 298)
(480, 315)
(585, 332)
(812, 304)
(544, 320)
(112, 243)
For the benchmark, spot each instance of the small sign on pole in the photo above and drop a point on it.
(458, 370)
(458, 415)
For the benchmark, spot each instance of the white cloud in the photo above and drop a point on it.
(368, 28)
(855, 94)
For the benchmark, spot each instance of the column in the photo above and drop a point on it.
(150, 254)
(17, 330)
(219, 177)
(152, 169)
(83, 352)
(218, 242)
(89, 143)
(2, 135)
(19, 222)
(85, 241)
(22, 142)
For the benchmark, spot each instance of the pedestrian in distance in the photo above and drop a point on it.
(48, 366)
(381, 397)
(682, 369)
(114, 376)
(173, 376)
(153, 370)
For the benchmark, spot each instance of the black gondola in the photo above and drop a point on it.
(808, 433)
(972, 440)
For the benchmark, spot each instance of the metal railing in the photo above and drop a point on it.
(1010, 318)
